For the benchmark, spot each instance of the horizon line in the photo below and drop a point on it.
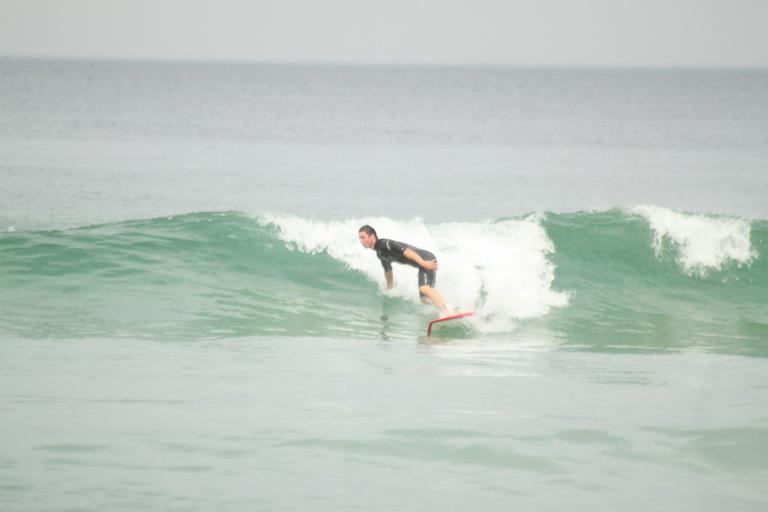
(385, 64)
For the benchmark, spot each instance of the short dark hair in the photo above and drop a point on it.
(368, 231)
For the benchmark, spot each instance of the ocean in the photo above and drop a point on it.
(189, 322)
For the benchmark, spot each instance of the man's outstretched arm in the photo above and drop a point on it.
(390, 279)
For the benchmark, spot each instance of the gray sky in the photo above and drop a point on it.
(525, 32)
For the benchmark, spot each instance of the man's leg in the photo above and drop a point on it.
(427, 290)
(437, 299)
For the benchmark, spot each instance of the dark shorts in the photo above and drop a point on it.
(426, 277)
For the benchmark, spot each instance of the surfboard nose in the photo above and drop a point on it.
(447, 319)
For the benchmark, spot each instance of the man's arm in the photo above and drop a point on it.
(387, 266)
(414, 256)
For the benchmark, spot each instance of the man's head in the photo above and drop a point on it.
(367, 236)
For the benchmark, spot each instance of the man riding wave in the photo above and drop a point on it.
(389, 251)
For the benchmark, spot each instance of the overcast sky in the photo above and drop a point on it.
(729, 33)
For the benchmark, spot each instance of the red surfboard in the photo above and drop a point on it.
(446, 319)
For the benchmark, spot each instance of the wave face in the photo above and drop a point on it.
(646, 278)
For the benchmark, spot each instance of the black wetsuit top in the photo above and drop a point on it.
(390, 251)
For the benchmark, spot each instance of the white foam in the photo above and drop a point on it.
(499, 269)
(703, 243)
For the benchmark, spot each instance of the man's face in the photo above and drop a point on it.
(367, 240)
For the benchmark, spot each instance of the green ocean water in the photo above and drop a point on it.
(327, 423)
(229, 274)
(188, 322)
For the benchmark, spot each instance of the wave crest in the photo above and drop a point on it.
(701, 243)
(499, 269)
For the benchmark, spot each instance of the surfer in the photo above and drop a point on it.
(389, 251)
